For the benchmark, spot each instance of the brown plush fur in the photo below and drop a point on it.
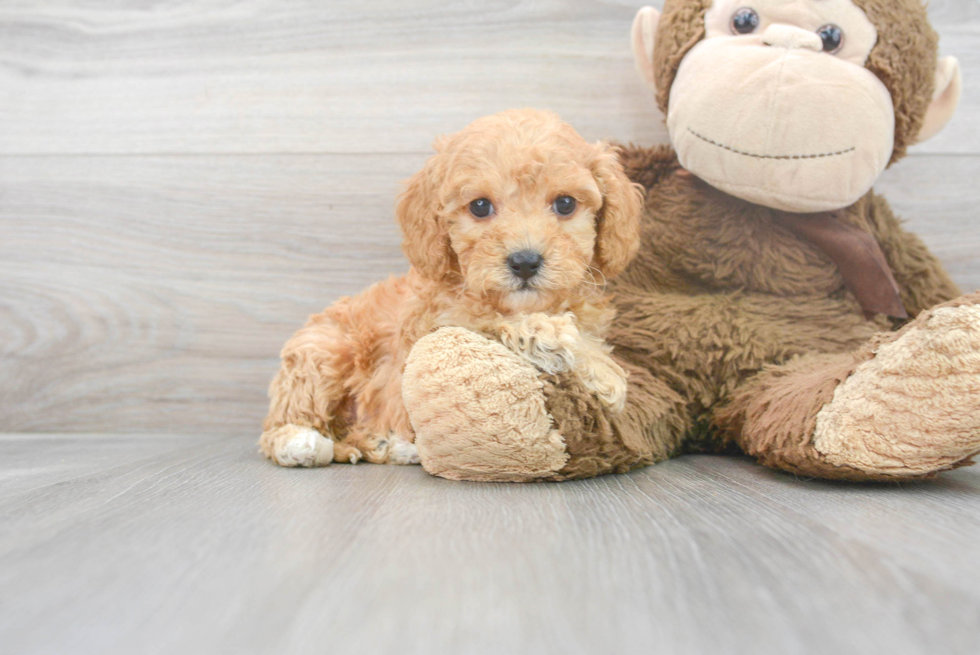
(779, 408)
(774, 415)
(752, 326)
(599, 441)
(904, 58)
(342, 373)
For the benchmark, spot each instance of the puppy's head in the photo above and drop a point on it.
(521, 210)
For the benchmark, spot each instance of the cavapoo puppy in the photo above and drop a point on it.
(512, 228)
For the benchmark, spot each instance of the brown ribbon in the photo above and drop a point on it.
(858, 257)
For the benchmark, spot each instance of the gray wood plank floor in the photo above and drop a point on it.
(179, 544)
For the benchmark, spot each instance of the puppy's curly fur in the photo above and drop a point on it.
(337, 396)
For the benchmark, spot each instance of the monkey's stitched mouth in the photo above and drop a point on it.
(752, 154)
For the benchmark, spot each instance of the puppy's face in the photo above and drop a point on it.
(521, 217)
(522, 210)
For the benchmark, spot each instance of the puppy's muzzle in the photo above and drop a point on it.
(525, 264)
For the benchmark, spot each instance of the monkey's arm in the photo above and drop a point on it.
(923, 281)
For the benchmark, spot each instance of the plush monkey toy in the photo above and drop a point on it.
(776, 306)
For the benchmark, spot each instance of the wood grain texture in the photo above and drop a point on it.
(306, 76)
(153, 293)
(149, 545)
(230, 76)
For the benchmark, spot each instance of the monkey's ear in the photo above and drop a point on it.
(642, 37)
(949, 86)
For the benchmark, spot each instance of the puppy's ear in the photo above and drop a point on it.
(618, 223)
(426, 241)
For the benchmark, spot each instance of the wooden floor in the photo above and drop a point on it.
(136, 544)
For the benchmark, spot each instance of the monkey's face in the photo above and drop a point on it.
(775, 105)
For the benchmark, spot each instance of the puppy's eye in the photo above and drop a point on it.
(564, 206)
(481, 208)
(832, 37)
(745, 21)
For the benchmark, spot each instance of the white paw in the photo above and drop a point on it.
(303, 447)
(402, 452)
(547, 342)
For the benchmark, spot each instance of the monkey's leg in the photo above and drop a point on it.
(478, 410)
(705, 347)
(905, 406)
(481, 412)
(600, 440)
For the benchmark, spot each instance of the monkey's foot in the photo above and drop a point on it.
(479, 410)
(914, 408)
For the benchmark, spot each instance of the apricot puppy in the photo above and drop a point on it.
(512, 229)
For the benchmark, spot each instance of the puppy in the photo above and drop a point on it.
(512, 228)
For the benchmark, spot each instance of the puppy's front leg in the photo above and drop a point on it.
(600, 373)
(544, 340)
(555, 345)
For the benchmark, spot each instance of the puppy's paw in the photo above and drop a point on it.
(402, 452)
(548, 342)
(346, 453)
(605, 378)
(297, 446)
(391, 449)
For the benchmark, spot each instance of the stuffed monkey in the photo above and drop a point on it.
(776, 306)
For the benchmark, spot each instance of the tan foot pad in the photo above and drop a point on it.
(915, 407)
(478, 410)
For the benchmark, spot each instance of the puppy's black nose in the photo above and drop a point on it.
(525, 264)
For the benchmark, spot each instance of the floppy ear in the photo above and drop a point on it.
(426, 241)
(618, 223)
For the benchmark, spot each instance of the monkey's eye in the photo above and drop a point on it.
(564, 206)
(481, 208)
(745, 21)
(833, 38)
